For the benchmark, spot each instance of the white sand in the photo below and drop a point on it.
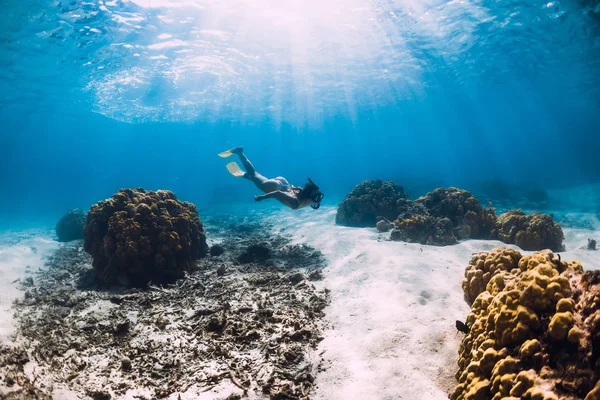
(21, 254)
(393, 307)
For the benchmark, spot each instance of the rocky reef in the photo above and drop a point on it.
(369, 200)
(384, 225)
(137, 236)
(530, 232)
(250, 328)
(462, 209)
(424, 229)
(70, 226)
(533, 331)
(443, 216)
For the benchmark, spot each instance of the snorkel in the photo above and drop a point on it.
(316, 197)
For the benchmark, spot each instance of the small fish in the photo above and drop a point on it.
(462, 327)
(558, 261)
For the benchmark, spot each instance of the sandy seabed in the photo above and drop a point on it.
(388, 331)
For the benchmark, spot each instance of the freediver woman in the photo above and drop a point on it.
(277, 188)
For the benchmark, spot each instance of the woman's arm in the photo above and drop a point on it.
(285, 198)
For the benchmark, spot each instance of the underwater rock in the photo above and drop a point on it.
(137, 236)
(409, 208)
(533, 329)
(217, 250)
(415, 229)
(255, 253)
(126, 364)
(461, 208)
(442, 217)
(369, 200)
(591, 244)
(383, 225)
(70, 226)
(424, 229)
(530, 232)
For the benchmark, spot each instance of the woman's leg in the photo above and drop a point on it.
(251, 173)
(247, 164)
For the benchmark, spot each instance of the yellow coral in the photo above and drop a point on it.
(524, 381)
(527, 300)
(575, 335)
(502, 280)
(488, 360)
(513, 323)
(485, 265)
(530, 347)
(478, 390)
(565, 305)
(576, 267)
(508, 381)
(560, 324)
(542, 285)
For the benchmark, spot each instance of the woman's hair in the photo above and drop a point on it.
(309, 191)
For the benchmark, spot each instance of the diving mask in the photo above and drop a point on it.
(317, 199)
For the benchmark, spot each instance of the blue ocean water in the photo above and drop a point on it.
(100, 95)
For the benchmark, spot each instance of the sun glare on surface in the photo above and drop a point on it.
(286, 60)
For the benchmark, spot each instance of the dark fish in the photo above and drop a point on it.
(462, 327)
(558, 261)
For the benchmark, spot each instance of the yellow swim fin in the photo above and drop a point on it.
(230, 152)
(225, 154)
(235, 170)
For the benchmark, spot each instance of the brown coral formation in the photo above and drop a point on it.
(442, 217)
(530, 232)
(138, 236)
(533, 329)
(383, 225)
(368, 201)
(70, 226)
(462, 208)
(424, 229)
